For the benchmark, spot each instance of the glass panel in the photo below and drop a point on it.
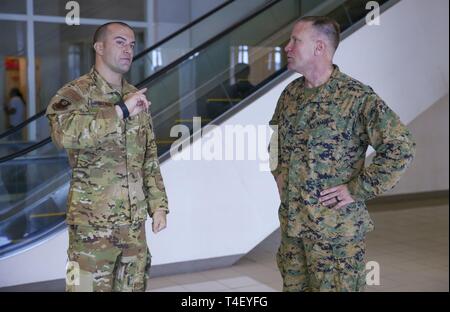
(13, 73)
(13, 6)
(353, 10)
(216, 78)
(133, 10)
(19, 140)
(219, 76)
(183, 43)
(26, 183)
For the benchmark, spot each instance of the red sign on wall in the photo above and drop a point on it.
(11, 64)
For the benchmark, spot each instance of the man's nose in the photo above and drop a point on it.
(128, 49)
(287, 48)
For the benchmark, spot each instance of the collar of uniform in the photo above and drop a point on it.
(101, 83)
(127, 88)
(331, 85)
(335, 75)
(336, 72)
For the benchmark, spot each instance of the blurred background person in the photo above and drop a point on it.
(15, 111)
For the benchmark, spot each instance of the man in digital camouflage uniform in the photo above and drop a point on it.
(104, 124)
(326, 120)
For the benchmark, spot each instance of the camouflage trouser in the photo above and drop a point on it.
(107, 259)
(308, 265)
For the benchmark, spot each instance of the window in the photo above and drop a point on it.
(156, 59)
(74, 62)
(274, 59)
(13, 6)
(243, 54)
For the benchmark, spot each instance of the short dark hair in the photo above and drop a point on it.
(326, 26)
(101, 30)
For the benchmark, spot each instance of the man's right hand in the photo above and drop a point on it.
(136, 102)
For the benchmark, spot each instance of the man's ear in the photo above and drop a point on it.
(320, 47)
(98, 47)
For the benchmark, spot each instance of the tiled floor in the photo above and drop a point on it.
(410, 245)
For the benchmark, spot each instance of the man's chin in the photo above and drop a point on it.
(294, 68)
(123, 69)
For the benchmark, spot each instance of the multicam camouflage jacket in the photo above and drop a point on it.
(116, 177)
(323, 136)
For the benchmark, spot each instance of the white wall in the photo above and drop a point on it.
(429, 171)
(405, 59)
(226, 208)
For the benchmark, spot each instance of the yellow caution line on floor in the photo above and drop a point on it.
(50, 214)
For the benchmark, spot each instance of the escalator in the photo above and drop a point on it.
(210, 81)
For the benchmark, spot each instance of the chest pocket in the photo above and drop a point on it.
(290, 128)
(325, 134)
(98, 100)
(95, 105)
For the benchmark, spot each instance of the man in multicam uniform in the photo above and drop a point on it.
(326, 120)
(104, 124)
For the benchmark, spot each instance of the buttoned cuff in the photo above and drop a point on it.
(157, 204)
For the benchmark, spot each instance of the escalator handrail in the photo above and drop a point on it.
(22, 124)
(25, 150)
(181, 30)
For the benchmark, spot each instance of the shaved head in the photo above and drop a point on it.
(101, 31)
